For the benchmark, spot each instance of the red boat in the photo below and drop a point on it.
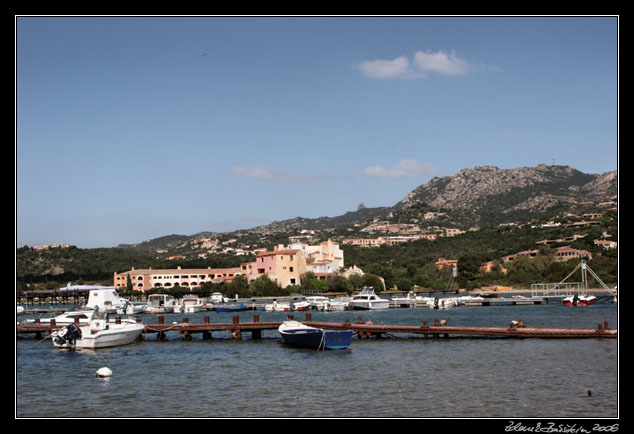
(576, 300)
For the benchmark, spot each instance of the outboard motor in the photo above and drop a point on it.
(435, 302)
(72, 332)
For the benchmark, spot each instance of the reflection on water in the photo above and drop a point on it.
(401, 376)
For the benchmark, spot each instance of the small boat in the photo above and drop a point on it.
(100, 333)
(579, 300)
(277, 307)
(368, 300)
(217, 298)
(317, 301)
(232, 308)
(191, 304)
(470, 300)
(131, 309)
(107, 298)
(298, 334)
(443, 303)
(301, 306)
(159, 303)
(335, 305)
(407, 301)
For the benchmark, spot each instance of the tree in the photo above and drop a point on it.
(265, 287)
(311, 284)
(337, 283)
(239, 285)
(373, 281)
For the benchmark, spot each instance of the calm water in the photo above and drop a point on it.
(401, 376)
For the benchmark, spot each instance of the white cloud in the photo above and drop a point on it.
(423, 63)
(254, 172)
(385, 68)
(403, 169)
(262, 172)
(440, 62)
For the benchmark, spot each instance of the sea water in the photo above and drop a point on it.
(395, 376)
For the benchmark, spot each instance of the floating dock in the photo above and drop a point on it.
(516, 329)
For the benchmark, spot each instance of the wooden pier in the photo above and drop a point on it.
(516, 329)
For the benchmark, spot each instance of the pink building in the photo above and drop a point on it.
(283, 266)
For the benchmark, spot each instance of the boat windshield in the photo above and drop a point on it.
(101, 314)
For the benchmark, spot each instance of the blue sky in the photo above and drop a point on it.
(129, 128)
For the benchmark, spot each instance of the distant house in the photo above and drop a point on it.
(566, 253)
(489, 266)
(526, 253)
(442, 263)
(606, 244)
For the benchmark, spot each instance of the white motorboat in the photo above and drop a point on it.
(131, 309)
(407, 301)
(99, 333)
(159, 303)
(335, 305)
(317, 301)
(301, 306)
(191, 304)
(368, 300)
(217, 298)
(443, 303)
(108, 299)
(277, 307)
(470, 300)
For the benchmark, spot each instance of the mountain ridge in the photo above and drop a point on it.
(471, 197)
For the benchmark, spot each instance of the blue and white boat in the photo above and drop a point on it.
(232, 308)
(298, 334)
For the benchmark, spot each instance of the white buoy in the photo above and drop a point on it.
(104, 372)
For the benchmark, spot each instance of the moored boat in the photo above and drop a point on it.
(191, 304)
(301, 306)
(443, 303)
(368, 300)
(107, 298)
(232, 308)
(277, 307)
(335, 305)
(408, 300)
(317, 301)
(217, 298)
(579, 300)
(100, 333)
(159, 303)
(299, 334)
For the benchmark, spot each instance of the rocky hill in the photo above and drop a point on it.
(487, 194)
(484, 195)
